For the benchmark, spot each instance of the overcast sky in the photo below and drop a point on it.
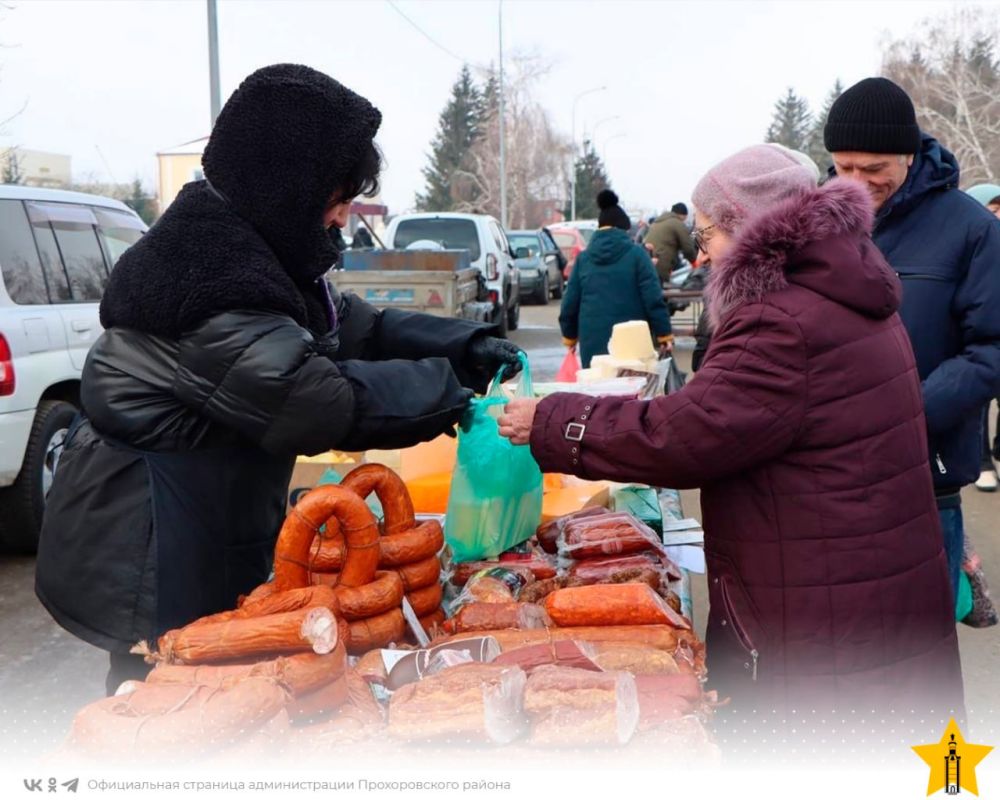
(690, 81)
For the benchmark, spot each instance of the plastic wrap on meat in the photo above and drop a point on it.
(495, 616)
(611, 604)
(606, 535)
(560, 654)
(470, 703)
(548, 532)
(572, 707)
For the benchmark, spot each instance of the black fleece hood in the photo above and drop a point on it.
(251, 237)
(281, 147)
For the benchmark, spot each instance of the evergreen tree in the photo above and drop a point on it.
(489, 100)
(791, 123)
(817, 150)
(591, 177)
(458, 128)
(12, 168)
(141, 203)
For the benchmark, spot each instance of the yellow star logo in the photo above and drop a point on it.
(952, 761)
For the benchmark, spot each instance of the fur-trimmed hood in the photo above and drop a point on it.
(819, 239)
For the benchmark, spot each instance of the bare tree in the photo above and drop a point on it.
(951, 72)
(537, 156)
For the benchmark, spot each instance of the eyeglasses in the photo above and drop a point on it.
(700, 240)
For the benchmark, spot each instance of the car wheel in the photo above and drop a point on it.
(514, 316)
(22, 504)
(542, 293)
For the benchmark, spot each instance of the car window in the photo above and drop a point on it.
(547, 243)
(565, 239)
(527, 240)
(19, 261)
(55, 275)
(587, 234)
(66, 234)
(499, 238)
(118, 231)
(452, 234)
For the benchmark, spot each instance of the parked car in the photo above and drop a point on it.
(541, 264)
(489, 252)
(587, 227)
(571, 242)
(56, 251)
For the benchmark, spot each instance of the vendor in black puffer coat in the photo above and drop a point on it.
(224, 357)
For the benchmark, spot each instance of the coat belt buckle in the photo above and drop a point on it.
(575, 431)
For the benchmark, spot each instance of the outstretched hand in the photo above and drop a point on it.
(490, 353)
(517, 418)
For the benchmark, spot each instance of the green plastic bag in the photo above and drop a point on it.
(963, 602)
(496, 490)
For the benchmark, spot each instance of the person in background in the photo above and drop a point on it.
(362, 239)
(804, 429)
(668, 237)
(946, 249)
(989, 195)
(224, 356)
(612, 281)
(644, 226)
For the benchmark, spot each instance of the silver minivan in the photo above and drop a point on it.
(57, 249)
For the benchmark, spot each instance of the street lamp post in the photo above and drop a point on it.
(604, 147)
(598, 124)
(213, 61)
(503, 134)
(572, 198)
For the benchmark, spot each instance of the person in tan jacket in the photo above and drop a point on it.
(668, 236)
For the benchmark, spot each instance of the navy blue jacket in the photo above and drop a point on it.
(613, 281)
(946, 248)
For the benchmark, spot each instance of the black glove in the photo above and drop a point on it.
(457, 413)
(489, 353)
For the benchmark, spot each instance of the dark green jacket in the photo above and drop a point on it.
(613, 281)
(669, 236)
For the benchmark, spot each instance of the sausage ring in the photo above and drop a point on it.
(357, 523)
(383, 594)
(397, 508)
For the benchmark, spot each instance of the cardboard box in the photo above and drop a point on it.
(309, 469)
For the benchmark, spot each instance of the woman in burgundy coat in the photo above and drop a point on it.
(805, 431)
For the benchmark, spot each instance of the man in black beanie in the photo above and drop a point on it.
(946, 249)
(668, 237)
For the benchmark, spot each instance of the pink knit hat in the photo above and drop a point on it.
(748, 182)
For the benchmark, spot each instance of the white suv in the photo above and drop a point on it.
(56, 251)
(489, 252)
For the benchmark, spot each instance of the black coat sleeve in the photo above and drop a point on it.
(372, 334)
(263, 375)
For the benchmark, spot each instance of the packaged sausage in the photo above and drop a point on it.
(611, 604)
(604, 570)
(572, 707)
(560, 654)
(496, 616)
(637, 659)
(548, 532)
(175, 720)
(539, 590)
(494, 585)
(469, 703)
(665, 698)
(540, 565)
(605, 535)
(407, 667)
